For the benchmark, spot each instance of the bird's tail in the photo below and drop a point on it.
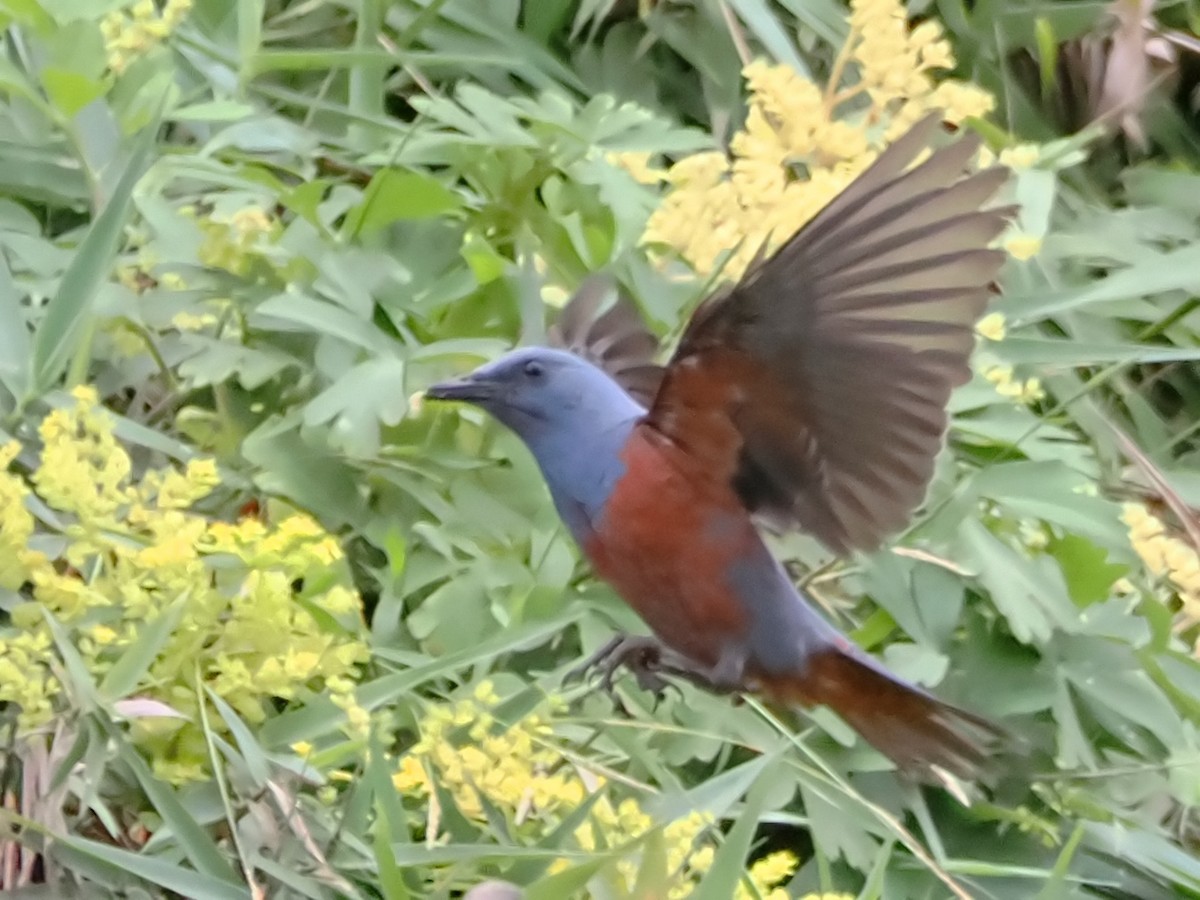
(918, 732)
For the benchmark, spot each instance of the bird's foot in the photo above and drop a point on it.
(640, 654)
(652, 664)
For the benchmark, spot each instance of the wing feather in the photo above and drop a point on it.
(844, 346)
(615, 339)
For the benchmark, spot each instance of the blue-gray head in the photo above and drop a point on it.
(571, 415)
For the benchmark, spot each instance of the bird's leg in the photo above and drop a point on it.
(649, 661)
(585, 668)
(640, 654)
(726, 677)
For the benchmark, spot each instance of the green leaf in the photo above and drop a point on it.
(211, 111)
(297, 312)
(357, 403)
(164, 873)
(396, 195)
(567, 883)
(69, 313)
(1157, 273)
(193, 840)
(252, 753)
(1088, 571)
(653, 877)
(729, 864)
(761, 20)
(15, 339)
(70, 91)
(1031, 593)
(132, 665)
(390, 824)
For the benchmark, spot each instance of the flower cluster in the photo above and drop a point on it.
(519, 770)
(130, 33)
(132, 551)
(514, 768)
(1018, 244)
(766, 873)
(994, 328)
(1027, 390)
(801, 144)
(1168, 557)
(236, 243)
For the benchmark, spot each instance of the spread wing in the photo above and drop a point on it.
(617, 339)
(819, 382)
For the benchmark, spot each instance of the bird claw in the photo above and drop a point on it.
(584, 670)
(650, 663)
(641, 655)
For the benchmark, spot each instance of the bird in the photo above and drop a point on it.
(810, 394)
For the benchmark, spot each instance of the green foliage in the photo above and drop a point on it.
(260, 229)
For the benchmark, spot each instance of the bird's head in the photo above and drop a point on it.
(542, 393)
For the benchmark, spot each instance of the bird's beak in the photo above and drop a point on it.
(468, 389)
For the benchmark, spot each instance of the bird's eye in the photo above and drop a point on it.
(534, 369)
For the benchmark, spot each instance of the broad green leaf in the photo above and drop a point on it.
(396, 195)
(1089, 573)
(297, 312)
(1031, 593)
(70, 91)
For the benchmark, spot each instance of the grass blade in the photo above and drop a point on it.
(68, 313)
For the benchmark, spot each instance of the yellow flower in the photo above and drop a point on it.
(1022, 156)
(16, 523)
(1008, 385)
(410, 776)
(129, 34)
(102, 634)
(702, 859)
(767, 873)
(84, 470)
(774, 868)
(1023, 246)
(518, 770)
(992, 326)
(962, 101)
(175, 11)
(235, 244)
(937, 55)
(1168, 556)
(638, 165)
(185, 321)
(796, 151)
(250, 222)
(999, 375)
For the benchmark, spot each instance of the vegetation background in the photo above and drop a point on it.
(270, 627)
